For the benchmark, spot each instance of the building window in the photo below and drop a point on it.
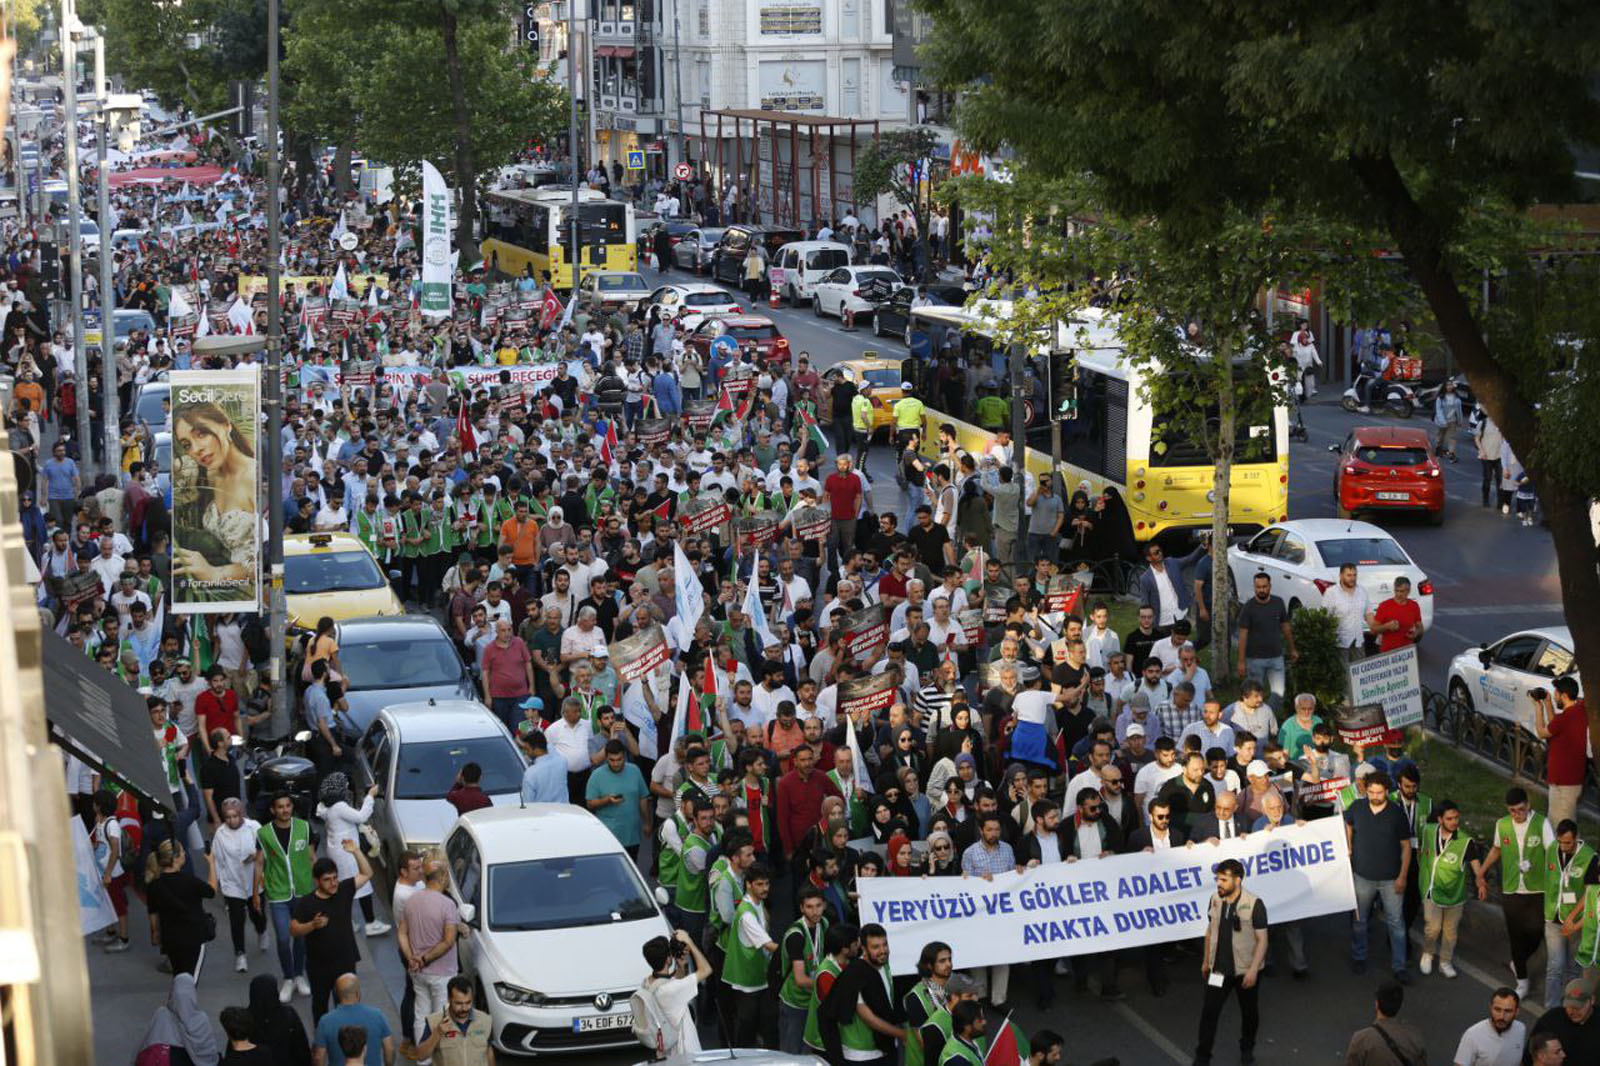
(702, 70)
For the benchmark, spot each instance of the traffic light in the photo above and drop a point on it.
(242, 94)
(50, 267)
(1063, 386)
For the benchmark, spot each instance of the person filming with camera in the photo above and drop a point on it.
(677, 968)
(1565, 726)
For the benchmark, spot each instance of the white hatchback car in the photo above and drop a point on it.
(559, 917)
(1495, 679)
(1303, 558)
(841, 289)
(689, 304)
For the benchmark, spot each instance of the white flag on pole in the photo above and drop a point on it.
(687, 593)
(340, 289)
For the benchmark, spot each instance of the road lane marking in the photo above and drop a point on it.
(1151, 1033)
(1499, 608)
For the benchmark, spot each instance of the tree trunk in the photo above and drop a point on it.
(341, 170)
(466, 171)
(1567, 512)
(1221, 485)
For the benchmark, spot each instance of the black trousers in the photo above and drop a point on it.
(1491, 479)
(237, 909)
(1411, 903)
(1524, 928)
(1249, 1015)
(322, 983)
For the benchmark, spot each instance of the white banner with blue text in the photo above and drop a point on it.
(1108, 903)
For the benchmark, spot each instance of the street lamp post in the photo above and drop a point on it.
(80, 352)
(274, 390)
(108, 295)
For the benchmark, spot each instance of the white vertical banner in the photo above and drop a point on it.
(94, 904)
(437, 258)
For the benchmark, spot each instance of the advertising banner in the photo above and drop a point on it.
(1389, 680)
(216, 512)
(639, 654)
(436, 257)
(1109, 904)
(866, 632)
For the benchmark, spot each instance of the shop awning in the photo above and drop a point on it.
(623, 51)
(605, 51)
(101, 720)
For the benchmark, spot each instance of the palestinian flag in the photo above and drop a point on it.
(745, 406)
(608, 446)
(814, 431)
(724, 405)
(664, 510)
(1008, 1047)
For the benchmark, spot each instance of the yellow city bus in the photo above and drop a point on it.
(1115, 440)
(533, 228)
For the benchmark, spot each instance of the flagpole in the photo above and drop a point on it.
(274, 391)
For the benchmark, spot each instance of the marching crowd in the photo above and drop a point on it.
(546, 524)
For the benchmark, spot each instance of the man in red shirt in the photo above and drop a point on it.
(217, 708)
(800, 795)
(507, 674)
(1566, 727)
(841, 493)
(1397, 621)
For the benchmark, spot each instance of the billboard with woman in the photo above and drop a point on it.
(216, 514)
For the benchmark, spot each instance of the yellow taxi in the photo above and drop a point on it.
(879, 380)
(333, 575)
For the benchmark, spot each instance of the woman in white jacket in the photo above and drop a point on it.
(341, 822)
(235, 855)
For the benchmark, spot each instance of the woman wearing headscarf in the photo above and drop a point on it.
(881, 823)
(278, 1026)
(960, 739)
(904, 751)
(34, 531)
(1078, 529)
(235, 853)
(342, 822)
(1113, 533)
(182, 1028)
(914, 800)
(942, 858)
(179, 925)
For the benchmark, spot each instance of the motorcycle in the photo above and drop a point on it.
(1388, 397)
(1427, 394)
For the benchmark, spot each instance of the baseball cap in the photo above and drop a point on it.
(959, 984)
(533, 702)
(1257, 768)
(1576, 994)
(1135, 730)
(600, 652)
(1364, 769)
(905, 386)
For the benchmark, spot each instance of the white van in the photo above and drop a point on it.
(799, 265)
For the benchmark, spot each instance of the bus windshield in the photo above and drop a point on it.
(1171, 446)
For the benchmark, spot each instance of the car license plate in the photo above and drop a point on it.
(602, 1022)
(1401, 496)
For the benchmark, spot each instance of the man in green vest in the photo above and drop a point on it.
(861, 424)
(1417, 806)
(861, 1005)
(1570, 867)
(283, 876)
(725, 883)
(1445, 855)
(926, 998)
(693, 895)
(1522, 840)
(1583, 922)
(369, 526)
(839, 945)
(413, 532)
(800, 956)
(749, 946)
(937, 1030)
(965, 1046)
(908, 412)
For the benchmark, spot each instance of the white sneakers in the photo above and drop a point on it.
(263, 938)
(302, 986)
(239, 965)
(285, 990)
(1425, 964)
(1446, 969)
(377, 928)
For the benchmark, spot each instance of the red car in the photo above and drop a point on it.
(749, 330)
(1388, 468)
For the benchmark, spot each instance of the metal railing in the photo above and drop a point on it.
(1505, 743)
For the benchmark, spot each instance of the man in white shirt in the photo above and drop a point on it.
(1152, 775)
(108, 565)
(1498, 1040)
(568, 737)
(1100, 641)
(1169, 648)
(1211, 730)
(1351, 606)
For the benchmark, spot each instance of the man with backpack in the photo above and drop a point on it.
(1388, 1041)
(662, 1020)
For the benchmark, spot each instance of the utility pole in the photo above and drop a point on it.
(108, 295)
(572, 133)
(80, 351)
(1019, 438)
(278, 612)
(677, 92)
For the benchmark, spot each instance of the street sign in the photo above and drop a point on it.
(683, 171)
(635, 160)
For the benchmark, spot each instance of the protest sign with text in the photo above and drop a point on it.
(701, 513)
(866, 631)
(813, 523)
(869, 694)
(639, 654)
(1389, 680)
(1107, 904)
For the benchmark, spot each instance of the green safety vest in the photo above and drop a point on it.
(1588, 953)
(1424, 812)
(789, 992)
(813, 1031)
(1568, 882)
(858, 808)
(920, 993)
(992, 412)
(861, 413)
(745, 967)
(670, 860)
(441, 534)
(491, 519)
(411, 525)
(367, 531)
(957, 1050)
(1512, 876)
(1444, 872)
(692, 886)
(286, 876)
(856, 1035)
(721, 871)
(1347, 796)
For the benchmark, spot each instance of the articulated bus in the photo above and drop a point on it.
(533, 228)
(1165, 478)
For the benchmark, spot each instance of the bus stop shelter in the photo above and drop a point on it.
(791, 168)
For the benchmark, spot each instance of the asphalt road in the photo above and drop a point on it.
(1490, 575)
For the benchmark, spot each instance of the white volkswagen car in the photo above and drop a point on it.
(559, 917)
(841, 289)
(1303, 558)
(1495, 679)
(690, 303)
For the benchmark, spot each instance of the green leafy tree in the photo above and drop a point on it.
(148, 44)
(1433, 123)
(888, 165)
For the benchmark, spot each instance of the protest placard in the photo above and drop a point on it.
(701, 513)
(700, 413)
(1361, 726)
(1122, 901)
(1063, 594)
(1389, 680)
(653, 431)
(870, 694)
(866, 631)
(812, 523)
(994, 605)
(758, 529)
(639, 654)
(971, 621)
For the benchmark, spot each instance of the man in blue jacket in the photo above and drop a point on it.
(1162, 587)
